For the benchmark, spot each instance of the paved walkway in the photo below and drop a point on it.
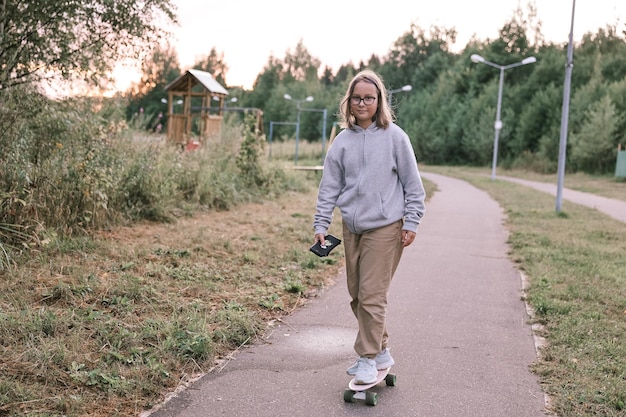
(459, 334)
(613, 208)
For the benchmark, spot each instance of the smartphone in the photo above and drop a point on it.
(331, 243)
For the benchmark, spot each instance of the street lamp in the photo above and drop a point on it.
(498, 125)
(232, 100)
(225, 102)
(565, 113)
(309, 98)
(397, 90)
(164, 100)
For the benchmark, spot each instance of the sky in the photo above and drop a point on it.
(337, 32)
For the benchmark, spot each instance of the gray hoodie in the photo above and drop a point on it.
(372, 176)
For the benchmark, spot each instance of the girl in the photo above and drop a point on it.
(371, 174)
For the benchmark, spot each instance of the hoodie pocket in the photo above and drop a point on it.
(370, 212)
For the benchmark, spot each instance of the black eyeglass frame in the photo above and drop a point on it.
(367, 100)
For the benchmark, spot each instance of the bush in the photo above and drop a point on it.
(74, 166)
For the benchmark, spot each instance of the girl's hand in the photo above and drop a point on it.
(407, 238)
(319, 238)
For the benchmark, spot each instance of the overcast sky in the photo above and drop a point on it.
(336, 32)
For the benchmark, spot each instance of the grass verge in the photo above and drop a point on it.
(609, 187)
(106, 325)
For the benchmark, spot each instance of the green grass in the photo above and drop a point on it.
(575, 262)
(107, 328)
(309, 153)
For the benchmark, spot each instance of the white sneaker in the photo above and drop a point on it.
(366, 372)
(383, 361)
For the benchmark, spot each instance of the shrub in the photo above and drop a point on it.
(73, 166)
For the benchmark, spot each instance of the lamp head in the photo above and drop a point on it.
(309, 98)
(287, 97)
(529, 60)
(477, 58)
(407, 88)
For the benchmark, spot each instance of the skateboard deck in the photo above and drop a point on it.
(360, 391)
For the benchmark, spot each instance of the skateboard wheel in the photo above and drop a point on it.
(348, 396)
(371, 398)
(390, 380)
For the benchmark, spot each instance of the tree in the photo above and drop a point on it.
(300, 64)
(213, 64)
(617, 92)
(404, 63)
(158, 70)
(266, 82)
(593, 147)
(344, 74)
(146, 97)
(514, 33)
(327, 76)
(42, 39)
(542, 115)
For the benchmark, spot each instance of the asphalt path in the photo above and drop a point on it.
(458, 327)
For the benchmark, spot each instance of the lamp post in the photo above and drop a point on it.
(309, 98)
(498, 125)
(397, 90)
(565, 114)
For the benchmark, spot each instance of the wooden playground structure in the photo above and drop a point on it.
(189, 111)
(190, 117)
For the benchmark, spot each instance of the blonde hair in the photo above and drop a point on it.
(384, 113)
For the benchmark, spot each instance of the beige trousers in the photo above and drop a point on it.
(371, 261)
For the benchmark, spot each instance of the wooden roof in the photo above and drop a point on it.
(193, 77)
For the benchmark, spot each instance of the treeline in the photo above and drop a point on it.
(450, 111)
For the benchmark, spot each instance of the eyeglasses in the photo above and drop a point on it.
(368, 100)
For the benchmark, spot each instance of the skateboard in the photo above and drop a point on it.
(360, 392)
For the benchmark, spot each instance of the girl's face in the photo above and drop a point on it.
(364, 103)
